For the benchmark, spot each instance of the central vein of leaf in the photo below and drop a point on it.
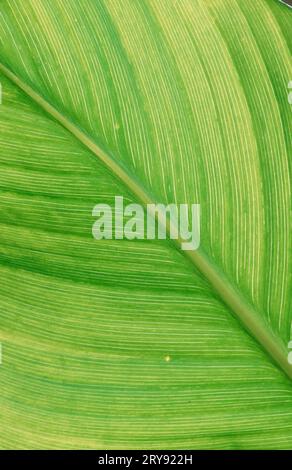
(241, 308)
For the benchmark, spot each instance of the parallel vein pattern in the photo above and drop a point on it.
(123, 344)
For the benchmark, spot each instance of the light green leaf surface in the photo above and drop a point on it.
(136, 344)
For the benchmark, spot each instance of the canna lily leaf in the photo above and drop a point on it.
(138, 344)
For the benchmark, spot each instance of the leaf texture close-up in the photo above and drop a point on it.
(137, 344)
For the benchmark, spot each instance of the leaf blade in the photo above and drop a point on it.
(241, 360)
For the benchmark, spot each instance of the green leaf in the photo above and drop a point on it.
(138, 344)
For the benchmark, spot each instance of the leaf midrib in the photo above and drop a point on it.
(232, 297)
